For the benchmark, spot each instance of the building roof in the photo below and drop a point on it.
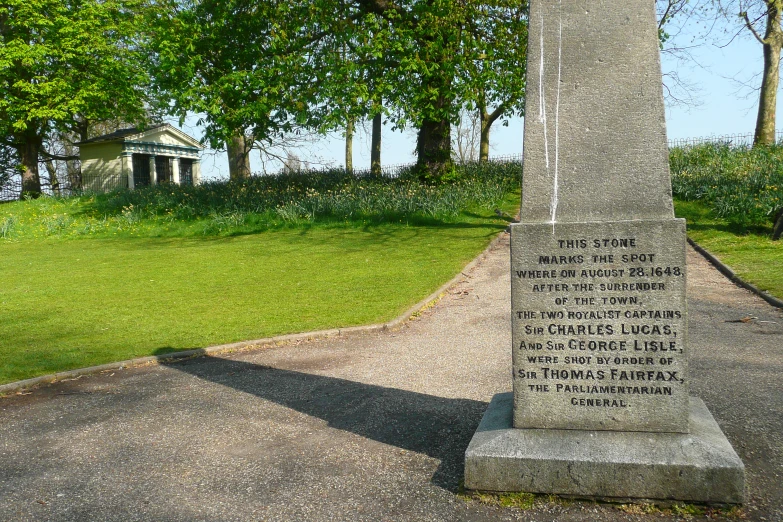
(137, 134)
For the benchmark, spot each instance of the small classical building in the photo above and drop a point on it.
(130, 158)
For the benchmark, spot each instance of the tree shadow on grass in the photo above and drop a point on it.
(700, 217)
(731, 228)
(435, 426)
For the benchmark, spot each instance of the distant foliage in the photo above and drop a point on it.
(743, 185)
(261, 202)
(310, 195)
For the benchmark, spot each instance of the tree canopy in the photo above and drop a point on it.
(64, 63)
(260, 69)
(256, 70)
(758, 19)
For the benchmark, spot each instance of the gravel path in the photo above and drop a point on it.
(371, 426)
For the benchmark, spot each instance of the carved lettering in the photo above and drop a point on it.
(599, 331)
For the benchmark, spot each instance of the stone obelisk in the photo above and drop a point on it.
(600, 405)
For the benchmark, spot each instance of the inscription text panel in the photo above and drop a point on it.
(599, 326)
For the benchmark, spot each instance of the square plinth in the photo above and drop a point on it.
(699, 466)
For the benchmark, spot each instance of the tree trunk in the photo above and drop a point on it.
(433, 147)
(375, 145)
(51, 169)
(83, 129)
(778, 229)
(238, 147)
(485, 125)
(349, 145)
(28, 149)
(773, 40)
(486, 119)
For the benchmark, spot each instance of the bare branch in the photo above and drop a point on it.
(497, 113)
(665, 16)
(750, 26)
(61, 157)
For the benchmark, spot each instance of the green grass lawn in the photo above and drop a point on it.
(748, 251)
(70, 303)
(67, 303)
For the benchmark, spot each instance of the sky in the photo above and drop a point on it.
(724, 80)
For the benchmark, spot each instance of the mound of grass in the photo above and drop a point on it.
(261, 203)
(748, 250)
(741, 185)
(90, 280)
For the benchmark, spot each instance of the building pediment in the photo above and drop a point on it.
(164, 135)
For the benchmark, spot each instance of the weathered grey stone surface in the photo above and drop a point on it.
(594, 128)
(699, 466)
(600, 405)
(599, 330)
(596, 199)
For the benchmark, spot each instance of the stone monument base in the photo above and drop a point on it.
(699, 466)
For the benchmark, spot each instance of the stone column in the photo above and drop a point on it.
(126, 158)
(197, 171)
(175, 170)
(153, 171)
(601, 403)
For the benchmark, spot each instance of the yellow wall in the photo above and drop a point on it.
(102, 167)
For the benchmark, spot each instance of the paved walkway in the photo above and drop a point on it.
(368, 427)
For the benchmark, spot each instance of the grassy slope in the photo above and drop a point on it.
(74, 303)
(748, 251)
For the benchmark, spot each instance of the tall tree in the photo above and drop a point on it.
(242, 65)
(761, 19)
(767, 14)
(66, 60)
(430, 58)
(348, 69)
(496, 36)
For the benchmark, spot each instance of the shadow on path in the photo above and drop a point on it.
(435, 426)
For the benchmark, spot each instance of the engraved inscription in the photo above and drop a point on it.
(598, 323)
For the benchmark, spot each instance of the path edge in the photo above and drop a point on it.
(257, 344)
(734, 278)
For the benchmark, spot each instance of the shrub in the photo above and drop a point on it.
(742, 185)
(262, 202)
(314, 195)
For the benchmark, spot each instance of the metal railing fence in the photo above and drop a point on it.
(732, 140)
(11, 189)
(391, 171)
